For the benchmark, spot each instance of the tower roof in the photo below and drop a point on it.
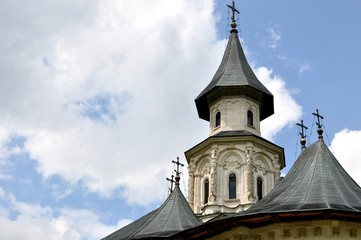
(173, 216)
(234, 77)
(316, 181)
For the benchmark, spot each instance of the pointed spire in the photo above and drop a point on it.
(319, 129)
(302, 133)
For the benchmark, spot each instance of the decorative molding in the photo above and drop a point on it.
(286, 233)
(353, 232)
(336, 231)
(318, 231)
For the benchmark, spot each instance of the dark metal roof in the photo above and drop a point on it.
(234, 77)
(316, 187)
(316, 181)
(173, 216)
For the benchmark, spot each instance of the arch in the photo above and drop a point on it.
(250, 118)
(259, 188)
(205, 191)
(217, 119)
(232, 186)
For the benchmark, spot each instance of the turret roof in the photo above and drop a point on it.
(173, 216)
(234, 77)
(316, 181)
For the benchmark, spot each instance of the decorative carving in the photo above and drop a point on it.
(260, 168)
(277, 167)
(318, 231)
(257, 237)
(214, 153)
(213, 195)
(336, 231)
(231, 163)
(302, 232)
(286, 233)
(191, 171)
(353, 233)
(250, 180)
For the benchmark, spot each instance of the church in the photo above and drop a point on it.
(235, 189)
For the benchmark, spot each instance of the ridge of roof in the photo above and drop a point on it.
(173, 216)
(235, 73)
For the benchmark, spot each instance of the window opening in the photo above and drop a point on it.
(259, 188)
(206, 191)
(232, 186)
(250, 118)
(218, 119)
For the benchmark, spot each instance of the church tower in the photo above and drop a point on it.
(234, 167)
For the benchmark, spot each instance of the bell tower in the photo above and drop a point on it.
(234, 167)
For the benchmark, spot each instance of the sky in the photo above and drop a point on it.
(97, 99)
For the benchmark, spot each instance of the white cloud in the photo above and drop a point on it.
(42, 222)
(275, 37)
(346, 147)
(102, 92)
(287, 110)
(156, 61)
(305, 67)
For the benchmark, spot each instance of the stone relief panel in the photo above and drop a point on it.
(232, 162)
(206, 169)
(260, 166)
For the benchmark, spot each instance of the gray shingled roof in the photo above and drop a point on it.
(316, 181)
(316, 187)
(173, 216)
(234, 77)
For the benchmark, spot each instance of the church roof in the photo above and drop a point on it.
(173, 216)
(316, 187)
(234, 77)
(316, 181)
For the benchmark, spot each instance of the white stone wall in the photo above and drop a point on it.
(234, 115)
(217, 161)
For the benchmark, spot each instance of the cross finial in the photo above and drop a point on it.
(234, 10)
(302, 133)
(177, 177)
(319, 118)
(171, 180)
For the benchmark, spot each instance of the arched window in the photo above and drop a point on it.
(232, 186)
(259, 188)
(206, 191)
(250, 118)
(218, 119)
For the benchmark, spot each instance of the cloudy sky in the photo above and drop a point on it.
(97, 98)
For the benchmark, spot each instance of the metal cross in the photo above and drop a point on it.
(178, 164)
(171, 183)
(303, 128)
(319, 117)
(233, 8)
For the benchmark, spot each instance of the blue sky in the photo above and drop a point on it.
(97, 99)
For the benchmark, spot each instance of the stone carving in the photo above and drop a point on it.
(232, 163)
(213, 195)
(260, 168)
(191, 170)
(250, 180)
